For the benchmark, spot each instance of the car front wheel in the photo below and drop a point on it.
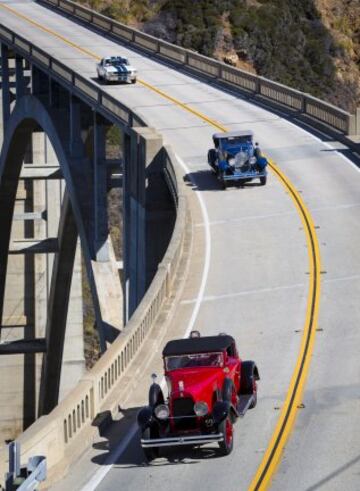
(227, 429)
(263, 181)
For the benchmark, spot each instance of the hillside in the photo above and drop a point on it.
(311, 45)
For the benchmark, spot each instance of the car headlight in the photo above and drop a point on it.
(201, 408)
(162, 411)
(252, 160)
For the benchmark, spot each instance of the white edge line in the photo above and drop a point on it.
(113, 457)
(354, 166)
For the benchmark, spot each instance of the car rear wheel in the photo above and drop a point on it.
(150, 453)
(227, 429)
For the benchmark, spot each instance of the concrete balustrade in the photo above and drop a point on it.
(331, 115)
(318, 111)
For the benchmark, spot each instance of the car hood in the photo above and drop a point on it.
(120, 69)
(246, 148)
(199, 383)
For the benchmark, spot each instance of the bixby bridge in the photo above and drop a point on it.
(245, 261)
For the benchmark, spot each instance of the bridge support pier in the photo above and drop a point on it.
(101, 231)
(142, 154)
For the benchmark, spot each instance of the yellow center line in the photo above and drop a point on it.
(289, 411)
(97, 57)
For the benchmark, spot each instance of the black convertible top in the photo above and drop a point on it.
(197, 345)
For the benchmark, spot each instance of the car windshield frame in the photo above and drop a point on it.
(236, 142)
(116, 60)
(194, 360)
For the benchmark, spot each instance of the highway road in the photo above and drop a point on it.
(254, 259)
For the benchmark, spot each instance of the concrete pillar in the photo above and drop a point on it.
(41, 261)
(19, 76)
(73, 362)
(140, 152)
(101, 229)
(39, 83)
(5, 86)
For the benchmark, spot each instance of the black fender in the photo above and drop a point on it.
(221, 411)
(145, 417)
(227, 389)
(249, 375)
(156, 395)
(212, 156)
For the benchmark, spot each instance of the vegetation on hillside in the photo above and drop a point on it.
(312, 45)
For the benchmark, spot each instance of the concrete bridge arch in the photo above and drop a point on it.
(30, 116)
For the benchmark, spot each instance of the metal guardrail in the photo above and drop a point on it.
(272, 92)
(24, 478)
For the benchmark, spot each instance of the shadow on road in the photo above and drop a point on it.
(113, 432)
(205, 180)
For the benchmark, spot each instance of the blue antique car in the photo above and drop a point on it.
(236, 158)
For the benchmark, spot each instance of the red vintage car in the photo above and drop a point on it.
(209, 387)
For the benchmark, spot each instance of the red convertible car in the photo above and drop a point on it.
(209, 387)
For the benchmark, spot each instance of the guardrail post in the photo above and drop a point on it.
(14, 465)
(26, 478)
(354, 124)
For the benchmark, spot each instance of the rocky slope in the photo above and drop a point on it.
(312, 45)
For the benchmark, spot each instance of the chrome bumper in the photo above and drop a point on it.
(243, 175)
(182, 440)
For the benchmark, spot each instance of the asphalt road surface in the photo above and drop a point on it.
(257, 283)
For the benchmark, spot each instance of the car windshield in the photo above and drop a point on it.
(194, 360)
(235, 142)
(115, 61)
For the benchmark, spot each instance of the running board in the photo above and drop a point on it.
(245, 401)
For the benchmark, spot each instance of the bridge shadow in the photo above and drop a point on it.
(205, 180)
(115, 83)
(114, 432)
(334, 474)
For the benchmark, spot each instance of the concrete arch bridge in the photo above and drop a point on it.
(55, 177)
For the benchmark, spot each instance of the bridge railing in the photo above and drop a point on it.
(78, 85)
(68, 430)
(315, 109)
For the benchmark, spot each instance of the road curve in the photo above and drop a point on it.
(258, 283)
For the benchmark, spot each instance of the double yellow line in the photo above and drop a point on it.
(293, 399)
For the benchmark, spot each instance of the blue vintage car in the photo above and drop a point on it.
(236, 158)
